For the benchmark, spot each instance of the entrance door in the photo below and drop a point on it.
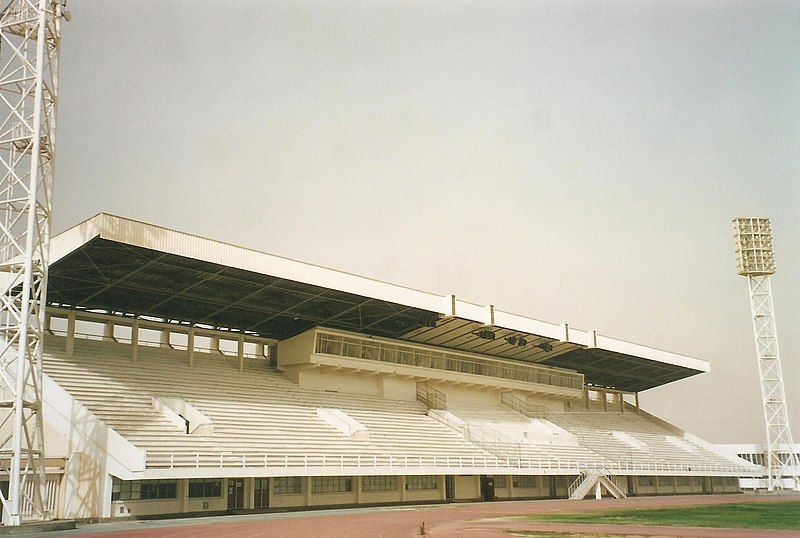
(449, 487)
(487, 487)
(261, 493)
(235, 493)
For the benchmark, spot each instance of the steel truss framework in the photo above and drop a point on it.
(29, 54)
(773, 397)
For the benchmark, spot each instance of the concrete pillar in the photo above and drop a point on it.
(357, 488)
(605, 400)
(442, 487)
(135, 340)
(164, 340)
(586, 397)
(47, 318)
(240, 352)
(306, 488)
(215, 344)
(401, 485)
(260, 349)
(190, 346)
(621, 402)
(108, 331)
(598, 494)
(510, 479)
(272, 355)
(249, 493)
(182, 493)
(70, 333)
(636, 401)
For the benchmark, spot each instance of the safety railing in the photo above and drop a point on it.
(523, 407)
(370, 349)
(492, 440)
(576, 484)
(221, 460)
(145, 342)
(431, 397)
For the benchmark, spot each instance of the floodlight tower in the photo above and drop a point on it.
(755, 260)
(30, 33)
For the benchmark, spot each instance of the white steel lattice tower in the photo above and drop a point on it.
(755, 260)
(29, 54)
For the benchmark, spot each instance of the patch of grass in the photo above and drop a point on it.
(759, 515)
(540, 534)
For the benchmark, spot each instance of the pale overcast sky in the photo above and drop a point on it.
(570, 161)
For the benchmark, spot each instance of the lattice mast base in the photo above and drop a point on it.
(755, 261)
(29, 55)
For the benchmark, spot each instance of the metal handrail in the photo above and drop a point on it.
(301, 460)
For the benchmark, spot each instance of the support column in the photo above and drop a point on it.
(605, 400)
(70, 333)
(307, 490)
(108, 331)
(598, 494)
(260, 349)
(164, 340)
(401, 484)
(215, 344)
(240, 352)
(621, 402)
(510, 479)
(47, 318)
(190, 346)
(443, 487)
(636, 401)
(586, 397)
(182, 493)
(357, 488)
(135, 340)
(272, 355)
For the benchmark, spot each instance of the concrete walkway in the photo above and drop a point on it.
(473, 519)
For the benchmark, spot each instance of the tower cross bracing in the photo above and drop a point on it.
(29, 57)
(755, 261)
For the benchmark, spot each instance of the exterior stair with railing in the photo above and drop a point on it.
(589, 480)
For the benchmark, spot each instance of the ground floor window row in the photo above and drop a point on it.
(262, 487)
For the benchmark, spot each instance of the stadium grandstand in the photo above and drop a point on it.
(187, 375)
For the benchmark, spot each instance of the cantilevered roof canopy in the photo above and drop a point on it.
(133, 268)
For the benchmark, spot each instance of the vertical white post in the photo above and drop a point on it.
(240, 352)
(71, 320)
(190, 346)
(135, 340)
(598, 494)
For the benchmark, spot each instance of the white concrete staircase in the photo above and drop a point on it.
(594, 480)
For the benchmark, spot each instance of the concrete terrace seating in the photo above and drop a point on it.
(595, 429)
(256, 414)
(535, 439)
